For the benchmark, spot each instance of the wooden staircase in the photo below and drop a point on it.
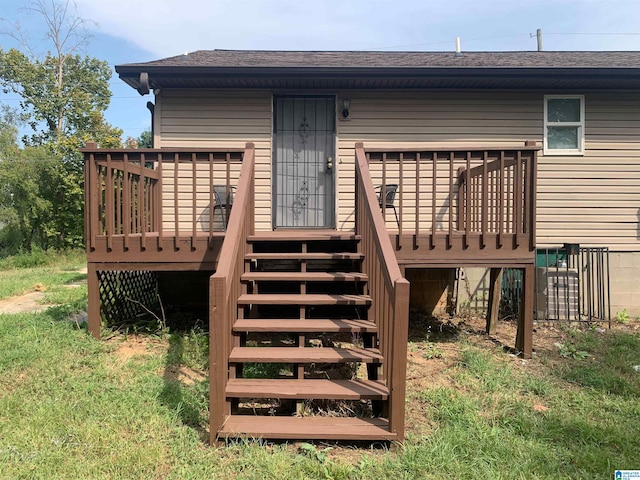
(304, 361)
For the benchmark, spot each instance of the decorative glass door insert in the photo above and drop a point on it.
(303, 163)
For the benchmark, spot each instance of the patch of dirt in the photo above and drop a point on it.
(29, 302)
(134, 345)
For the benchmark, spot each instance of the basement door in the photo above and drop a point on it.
(303, 162)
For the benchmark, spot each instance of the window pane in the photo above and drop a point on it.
(563, 110)
(562, 138)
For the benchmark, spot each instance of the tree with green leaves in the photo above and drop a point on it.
(28, 182)
(145, 140)
(63, 97)
(64, 93)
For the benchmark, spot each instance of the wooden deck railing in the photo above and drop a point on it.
(388, 289)
(225, 289)
(486, 192)
(499, 195)
(135, 194)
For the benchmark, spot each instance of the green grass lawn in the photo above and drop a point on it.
(40, 271)
(72, 407)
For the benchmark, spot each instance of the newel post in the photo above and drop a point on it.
(399, 358)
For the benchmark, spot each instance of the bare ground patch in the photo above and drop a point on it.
(130, 346)
(28, 302)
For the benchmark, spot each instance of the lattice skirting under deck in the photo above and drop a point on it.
(125, 294)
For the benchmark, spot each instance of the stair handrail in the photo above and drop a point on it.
(225, 287)
(388, 289)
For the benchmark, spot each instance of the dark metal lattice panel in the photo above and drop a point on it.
(123, 294)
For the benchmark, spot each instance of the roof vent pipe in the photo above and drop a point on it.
(539, 35)
(458, 52)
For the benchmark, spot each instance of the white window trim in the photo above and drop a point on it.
(580, 125)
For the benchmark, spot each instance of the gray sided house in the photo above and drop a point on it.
(310, 185)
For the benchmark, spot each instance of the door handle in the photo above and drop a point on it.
(329, 163)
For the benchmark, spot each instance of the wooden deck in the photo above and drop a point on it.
(453, 208)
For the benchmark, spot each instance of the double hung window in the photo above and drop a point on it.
(564, 124)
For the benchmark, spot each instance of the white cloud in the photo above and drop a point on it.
(168, 27)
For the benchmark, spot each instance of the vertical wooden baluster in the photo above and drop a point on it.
(135, 203)
(148, 186)
(450, 206)
(534, 194)
(508, 175)
(401, 195)
(417, 230)
(86, 175)
(485, 198)
(131, 196)
(142, 205)
(159, 201)
(227, 206)
(91, 211)
(152, 208)
(211, 198)
(136, 206)
(194, 203)
(94, 199)
(176, 213)
(517, 198)
(383, 187)
(102, 199)
(118, 200)
(526, 160)
(501, 211)
(109, 203)
(434, 197)
(467, 223)
(494, 199)
(126, 206)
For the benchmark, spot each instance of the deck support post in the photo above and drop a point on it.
(93, 301)
(495, 287)
(524, 337)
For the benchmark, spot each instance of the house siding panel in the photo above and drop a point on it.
(215, 119)
(592, 199)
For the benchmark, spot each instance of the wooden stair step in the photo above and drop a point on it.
(307, 428)
(305, 256)
(304, 355)
(304, 325)
(307, 389)
(302, 236)
(303, 299)
(305, 276)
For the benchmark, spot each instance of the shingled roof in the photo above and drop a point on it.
(284, 59)
(349, 69)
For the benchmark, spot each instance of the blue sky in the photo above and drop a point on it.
(140, 30)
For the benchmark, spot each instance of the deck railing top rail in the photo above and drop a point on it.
(92, 147)
(528, 146)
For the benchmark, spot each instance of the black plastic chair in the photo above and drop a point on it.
(389, 198)
(221, 201)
